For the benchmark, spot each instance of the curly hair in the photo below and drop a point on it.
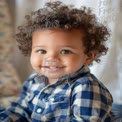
(58, 15)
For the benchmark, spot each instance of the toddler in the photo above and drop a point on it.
(62, 41)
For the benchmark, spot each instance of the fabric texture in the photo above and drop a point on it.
(117, 110)
(9, 81)
(6, 33)
(78, 97)
(10, 85)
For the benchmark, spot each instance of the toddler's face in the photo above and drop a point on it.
(56, 53)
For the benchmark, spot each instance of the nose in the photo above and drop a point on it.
(51, 58)
(51, 61)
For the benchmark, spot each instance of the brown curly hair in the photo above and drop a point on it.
(57, 15)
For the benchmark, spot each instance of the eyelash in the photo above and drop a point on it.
(63, 52)
(66, 52)
(42, 51)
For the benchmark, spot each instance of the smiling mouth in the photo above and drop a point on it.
(52, 68)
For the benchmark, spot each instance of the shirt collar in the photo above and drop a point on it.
(80, 73)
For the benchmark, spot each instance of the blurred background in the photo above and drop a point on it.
(15, 68)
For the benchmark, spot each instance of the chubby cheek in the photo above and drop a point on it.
(73, 66)
(35, 62)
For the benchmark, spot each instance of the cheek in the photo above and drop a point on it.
(71, 63)
(32, 61)
(35, 61)
(74, 61)
(74, 64)
(72, 67)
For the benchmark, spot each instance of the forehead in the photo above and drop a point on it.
(57, 38)
(58, 32)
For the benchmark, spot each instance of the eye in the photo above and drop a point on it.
(41, 51)
(65, 52)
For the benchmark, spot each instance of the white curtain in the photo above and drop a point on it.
(109, 70)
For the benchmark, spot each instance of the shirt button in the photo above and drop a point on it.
(51, 99)
(39, 110)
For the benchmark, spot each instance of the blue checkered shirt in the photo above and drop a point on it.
(77, 97)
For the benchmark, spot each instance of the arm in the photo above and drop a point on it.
(90, 103)
(18, 111)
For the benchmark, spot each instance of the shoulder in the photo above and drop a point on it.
(88, 79)
(32, 76)
(91, 88)
(30, 81)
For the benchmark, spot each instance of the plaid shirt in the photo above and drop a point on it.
(78, 97)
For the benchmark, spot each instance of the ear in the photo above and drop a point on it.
(90, 57)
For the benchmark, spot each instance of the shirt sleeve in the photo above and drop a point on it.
(19, 110)
(90, 102)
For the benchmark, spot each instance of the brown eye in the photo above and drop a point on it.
(41, 51)
(65, 52)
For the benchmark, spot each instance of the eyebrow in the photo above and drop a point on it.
(65, 46)
(37, 46)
